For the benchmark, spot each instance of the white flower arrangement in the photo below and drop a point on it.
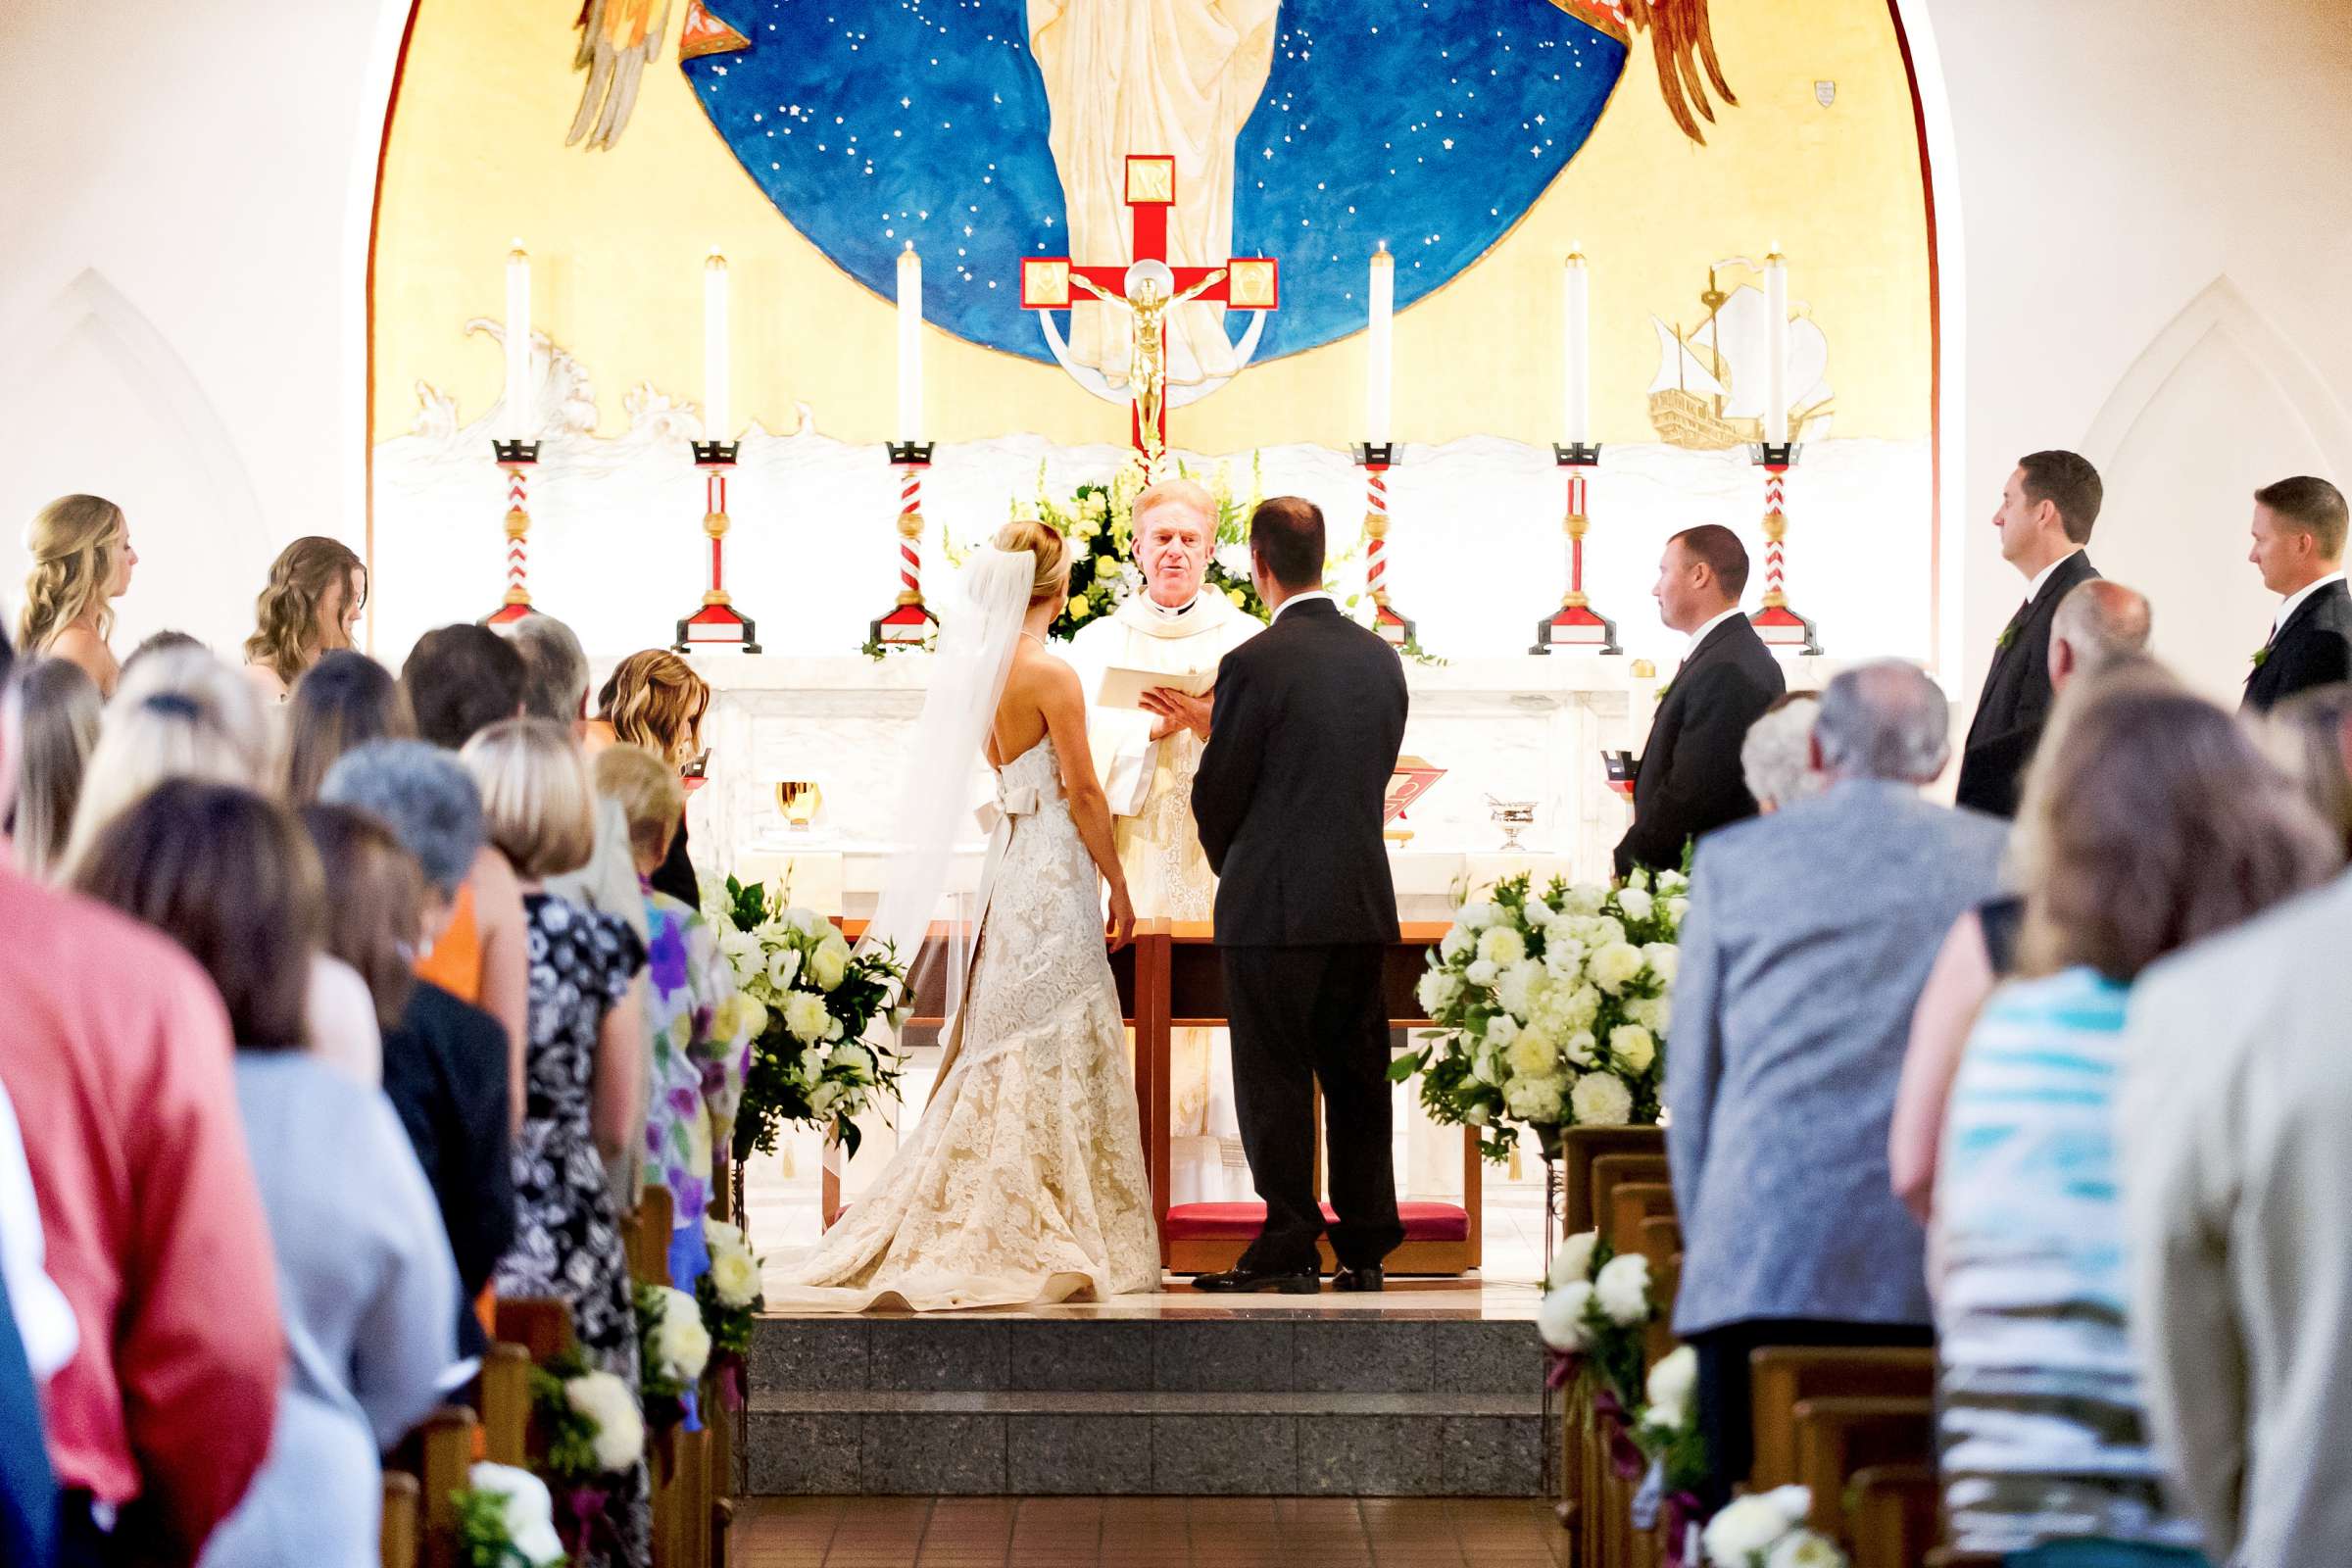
(609, 1406)
(813, 994)
(1767, 1530)
(1621, 1288)
(1549, 1009)
(1672, 1383)
(674, 1345)
(734, 1272)
(505, 1516)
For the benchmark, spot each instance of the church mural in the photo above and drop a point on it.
(1481, 141)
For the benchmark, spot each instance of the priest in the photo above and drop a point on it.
(1179, 627)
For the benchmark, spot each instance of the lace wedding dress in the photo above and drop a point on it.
(1024, 1181)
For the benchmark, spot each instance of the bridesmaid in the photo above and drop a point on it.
(82, 563)
(317, 589)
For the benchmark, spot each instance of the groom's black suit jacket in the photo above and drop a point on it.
(1689, 782)
(2017, 698)
(1290, 795)
(2313, 648)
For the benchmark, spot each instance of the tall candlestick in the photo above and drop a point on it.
(519, 420)
(716, 426)
(1776, 348)
(1380, 345)
(1576, 365)
(910, 344)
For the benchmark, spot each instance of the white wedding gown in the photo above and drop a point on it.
(1024, 1180)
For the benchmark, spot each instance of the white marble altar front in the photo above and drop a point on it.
(1522, 729)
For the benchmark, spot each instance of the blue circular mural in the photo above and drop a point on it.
(1432, 125)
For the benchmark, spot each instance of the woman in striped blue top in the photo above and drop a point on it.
(2150, 822)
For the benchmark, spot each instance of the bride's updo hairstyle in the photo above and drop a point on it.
(1047, 548)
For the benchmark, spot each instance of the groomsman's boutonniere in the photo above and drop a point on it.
(2000, 643)
(2260, 656)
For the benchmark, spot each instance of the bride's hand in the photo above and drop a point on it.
(1120, 926)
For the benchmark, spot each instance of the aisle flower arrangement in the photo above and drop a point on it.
(729, 1295)
(1550, 1008)
(811, 1063)
(673, 1348)
(1767, 1530)
(594, 1432)
(506, 1519)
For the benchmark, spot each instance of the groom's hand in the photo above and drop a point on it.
(1178, 710)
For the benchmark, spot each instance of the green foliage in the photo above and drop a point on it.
(571, 1434)
(484, 1536)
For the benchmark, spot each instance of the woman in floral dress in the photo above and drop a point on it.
(581, 1072)
(701, 1027)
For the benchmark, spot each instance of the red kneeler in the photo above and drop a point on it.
(1204, 1236)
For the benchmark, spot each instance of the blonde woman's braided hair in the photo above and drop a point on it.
(75, 542)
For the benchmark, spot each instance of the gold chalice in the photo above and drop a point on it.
(798, 800)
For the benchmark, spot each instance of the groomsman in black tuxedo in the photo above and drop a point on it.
(1689, 782)
(2047, 509)
(2299, 529)
(1290, 798)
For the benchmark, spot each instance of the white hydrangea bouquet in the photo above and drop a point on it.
(1550, 1009)
(1767, 1530)
(506, 1519)
(729, 1294)
(673, 1348)
(812, 1061)
(595, 1433)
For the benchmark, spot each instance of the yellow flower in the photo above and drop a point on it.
(1080, 609)
(1240, 599)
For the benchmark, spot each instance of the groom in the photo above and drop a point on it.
(1289, 797)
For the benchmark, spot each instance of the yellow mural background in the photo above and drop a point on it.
(476, 160)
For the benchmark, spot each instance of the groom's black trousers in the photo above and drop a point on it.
(1300, 1016)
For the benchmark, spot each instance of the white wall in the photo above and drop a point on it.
(2158, 234)
(2145, 219)
(181, 318)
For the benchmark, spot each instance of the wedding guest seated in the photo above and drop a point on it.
(363, 1275)
(56, 716)
(115, 1051)
(37, 1335)
(315, 591)
(587, 1039)
(185, 714)
(394, 843)
(1776, 757)
(2304, 737)
(701, 1049)
(2149, 822)
(82, 564)
(343, 700)
(654, 700)
(2096, 626)
(2235, 1134)
(461, 680)
(161, 642)
(1808, 936)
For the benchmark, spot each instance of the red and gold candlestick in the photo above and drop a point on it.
(1373, 460)
(517, 459)
(1576, 623)
(717, 623)
(910, 621)
(1776, 622)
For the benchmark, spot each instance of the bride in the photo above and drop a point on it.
(1024, 1180)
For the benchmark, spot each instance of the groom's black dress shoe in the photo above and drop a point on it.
(1369, 1278)
(1287, 1282)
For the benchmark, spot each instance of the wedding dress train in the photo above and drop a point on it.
(1024, 1180)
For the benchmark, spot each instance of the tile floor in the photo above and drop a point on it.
(1145, 1533)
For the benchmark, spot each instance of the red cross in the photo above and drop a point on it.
(1250, 283)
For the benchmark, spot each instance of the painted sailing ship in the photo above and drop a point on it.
(1710, 386)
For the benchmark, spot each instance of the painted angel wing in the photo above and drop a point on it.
(618, 39)
(1683, 42)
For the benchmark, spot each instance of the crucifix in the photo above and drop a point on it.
(1146, 289)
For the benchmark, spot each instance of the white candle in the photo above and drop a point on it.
(716, 426)
(1576, 365)
(1776, 348)
(911, 345)
(520, 425)
(1379, 346)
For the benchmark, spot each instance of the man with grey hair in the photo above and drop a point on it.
(1808, 937)
(445, 1063)
(2099, 623)
(555, 670)
(1776, 760)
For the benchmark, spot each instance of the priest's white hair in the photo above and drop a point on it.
(1884, 719)
(1176, 493)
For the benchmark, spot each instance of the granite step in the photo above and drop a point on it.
(1350, 1405)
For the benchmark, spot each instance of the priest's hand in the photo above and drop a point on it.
(1178, 710)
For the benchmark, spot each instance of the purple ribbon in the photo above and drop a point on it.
(1625, 1454)
(1682, 1511)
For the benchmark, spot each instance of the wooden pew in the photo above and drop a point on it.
(439, 1455)
(1837, 1436)
(397, 1537)
(507, 1403)
(1779, 1377)
(1894, 1514)
(1583, 1464)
